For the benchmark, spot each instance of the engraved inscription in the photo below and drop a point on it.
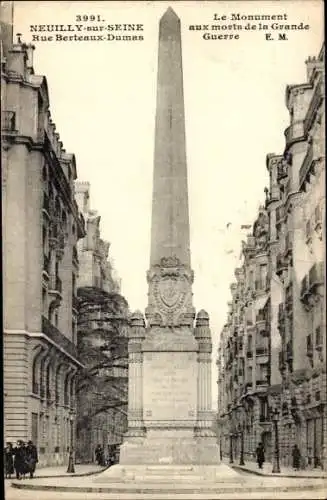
(170, 386)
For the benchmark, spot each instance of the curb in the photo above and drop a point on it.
(69, 474)
(279, 474)
(157, 490)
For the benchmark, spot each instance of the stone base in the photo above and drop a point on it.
(169, 475)
(172, 448)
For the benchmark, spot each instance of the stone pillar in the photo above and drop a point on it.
(204, 416)
(135, 376)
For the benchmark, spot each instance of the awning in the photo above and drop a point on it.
(261, 302)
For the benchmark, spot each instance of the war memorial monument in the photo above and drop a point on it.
(169, 398)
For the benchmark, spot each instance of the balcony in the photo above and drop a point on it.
(261, 383)
(316, 276)
(316, 101)
(307, 168)
(9, 121)
(58, 338)
(294, 133)
(281, 264)
(304, 288)
(55, 287)
(262, 350)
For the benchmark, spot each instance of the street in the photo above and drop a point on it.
(311, 488)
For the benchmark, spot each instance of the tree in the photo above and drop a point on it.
(103, 349)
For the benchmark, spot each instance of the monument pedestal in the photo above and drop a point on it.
(170, 448)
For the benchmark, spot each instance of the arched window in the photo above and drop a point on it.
(72, 391)
(57, 385)
(48, 382)
(42, 385)
(66, 390)
(35, 376)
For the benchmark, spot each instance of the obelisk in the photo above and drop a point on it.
(169, 400)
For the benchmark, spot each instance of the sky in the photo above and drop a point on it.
(102, 99)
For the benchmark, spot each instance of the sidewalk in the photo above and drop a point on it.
(60, 471)
(266, 470)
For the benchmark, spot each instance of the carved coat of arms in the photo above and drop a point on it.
(170, 291)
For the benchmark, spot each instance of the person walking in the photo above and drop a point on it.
(296, 455)
(99, 454)
(9, 460)
(19, 460)
(31, 458)
(260, 452)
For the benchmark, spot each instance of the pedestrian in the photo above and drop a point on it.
(19, 460)
(9, 460)
(31, 458)
(296, 455)
(260, 452)
(99, 454)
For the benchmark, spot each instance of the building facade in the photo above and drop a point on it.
(244, 351)
(102, 335)
(41, 227)
(293, 317)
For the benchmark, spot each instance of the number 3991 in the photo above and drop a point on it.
(85, 18)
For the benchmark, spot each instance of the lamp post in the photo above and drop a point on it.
(276, 467)
(71, 464)
(241, 431)
(231, 459)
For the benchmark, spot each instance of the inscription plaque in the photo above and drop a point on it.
(170, 386)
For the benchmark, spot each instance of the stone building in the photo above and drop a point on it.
(41, 226)
(294, 316)
(244, 351)
(101, 415)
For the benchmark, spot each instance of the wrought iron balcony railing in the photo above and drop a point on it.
(316, 275)
(56, 336)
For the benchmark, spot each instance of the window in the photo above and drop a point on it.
(57, 385)
(262, 276)
(56, 318)
(44, 173)
(35, 376)
(74, 332)
(48, 382)
(66, 393)
(44, 300)
(318, 336)
(35, 433)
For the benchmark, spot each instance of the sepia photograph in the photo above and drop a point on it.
(163, 249)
